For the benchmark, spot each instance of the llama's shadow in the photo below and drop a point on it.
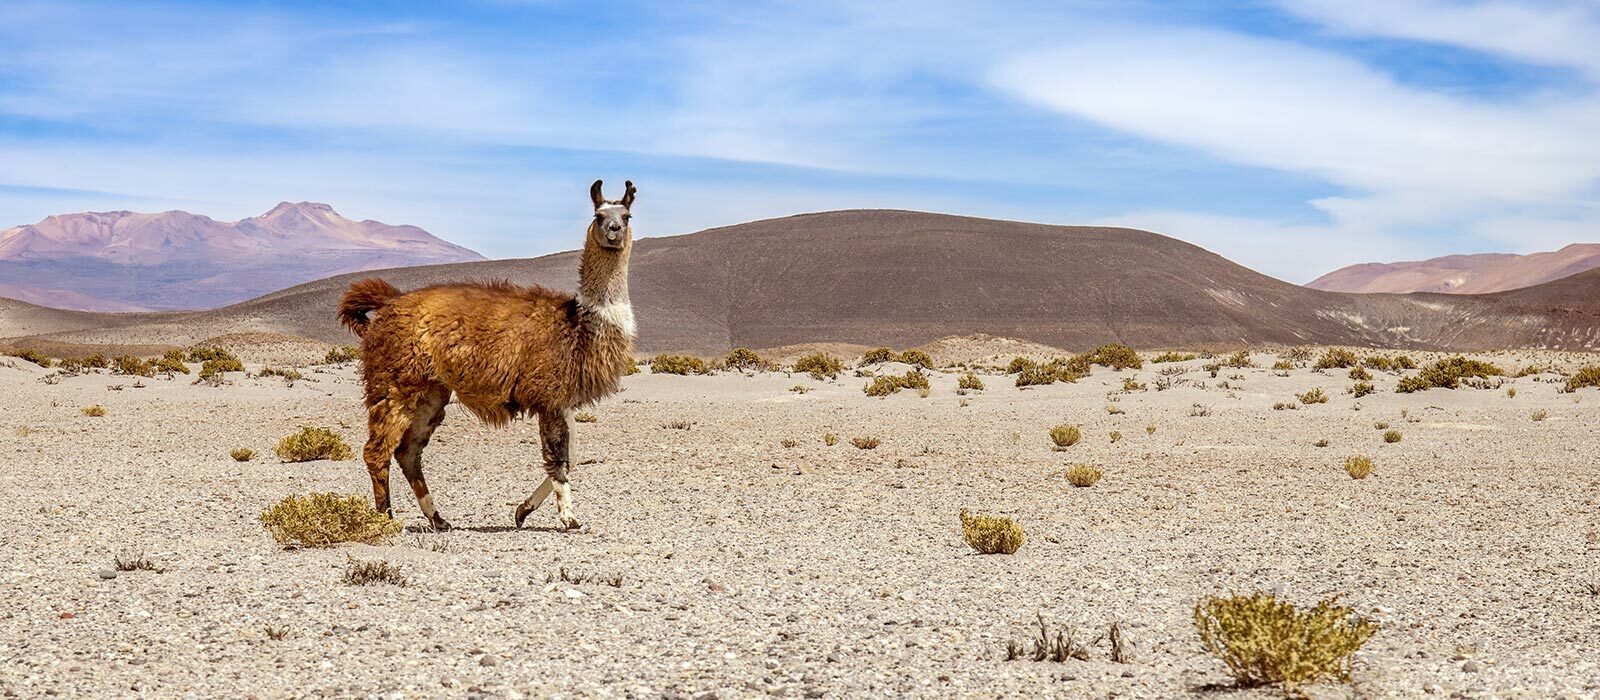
(512, 528)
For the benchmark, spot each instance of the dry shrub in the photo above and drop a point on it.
(1239, 360)
(170, 364)
(203, 353)
(1020, 364)
(991, 535)
(865, 443)
(830, 439)
(213, 368)
(95, 411)
(969, 382)
(312, 444)
(1170, 356)
(1114, 410)
(1150, 429)
(585, 417)
(1360, 374)
(890, 384)
(1056, 647)
(1540, 415)
(1116, 356)
(1314, 396)
(677, 364)
(1285, 406)
(799, 388)
(242, 454)
(1036, 375)
(326, 519)
(745, 359)
(33, 356)
(1267, 641)
(1282, 366)
(135, 561)
(1083, 475)
(1360, 389)
(1585, 376)
(1447, 374)
(95, 361)
(916, 358)
(132, 366)
(1321, 443)
(342, 354)
(1116, 435)
(366, 573)
(1511, 392)
(631, 368)
(819, 365)
(1392, 436)
(1358, 466)
(1335, 358)
(876, 356)
(789, 442)
(1065, 435)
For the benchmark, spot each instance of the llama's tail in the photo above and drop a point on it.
(362, 298)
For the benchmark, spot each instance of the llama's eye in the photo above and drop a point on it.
(627, 217)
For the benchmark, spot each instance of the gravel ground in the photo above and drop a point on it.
(723, 564)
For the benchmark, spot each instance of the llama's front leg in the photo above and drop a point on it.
(555, 436)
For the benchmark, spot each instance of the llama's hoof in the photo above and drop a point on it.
(441, 525)
(570, 522)
(522, 514)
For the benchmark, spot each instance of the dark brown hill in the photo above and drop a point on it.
(905, 278)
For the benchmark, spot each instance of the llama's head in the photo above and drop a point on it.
(611, 227)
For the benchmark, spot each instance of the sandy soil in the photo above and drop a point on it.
(748, 568)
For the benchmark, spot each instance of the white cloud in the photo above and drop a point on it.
(1551, 33)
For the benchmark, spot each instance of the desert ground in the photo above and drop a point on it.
(722, 563)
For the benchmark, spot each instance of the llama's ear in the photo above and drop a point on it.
(627, 196)
(595, 195)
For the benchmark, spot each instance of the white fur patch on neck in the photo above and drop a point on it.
(617, 313)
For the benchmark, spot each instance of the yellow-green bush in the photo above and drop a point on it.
(877, 356)
(1116, 356)
(1020, 364)
(1358, 466)
(1360, 374)
(365, 573)
(1082, 475)
(1336, 358)
(991, 535)
(242, 454)
(132, 366)
(744, 359)
(677, 364)
(1171, 356)
(312, 444)
(1065, 435)
(33, 356)
(95, 411)
(342, 354)
(1585, 376)
(203, 353)
(1360, 389)
(819, 365)
(214, 368)
(170, 364)
(1314, 396)
(916, 358)
(326, 519)
(1447, 374)
(970, 382)
(1265, 641)
(96, 361)
(1239, 360)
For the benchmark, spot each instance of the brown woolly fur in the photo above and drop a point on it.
(504, 350)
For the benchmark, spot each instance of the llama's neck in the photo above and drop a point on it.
(603, 287)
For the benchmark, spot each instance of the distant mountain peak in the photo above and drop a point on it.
(1478, 273)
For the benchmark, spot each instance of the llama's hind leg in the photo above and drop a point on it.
(387, 421)
(429, 413)
(555, 436)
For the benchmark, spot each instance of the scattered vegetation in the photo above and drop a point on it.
(830, 439)
(1065, 435)
(135, 561)
(95, 411)
(312, 444)
(890, 384)
(1199, 411)
(1358, 466)
(1116, 436)
(1285, 406)
(1511, 392)
(876, 356)
(585, 417)
(341, 355)
(1056, 647)
(1314, 396)
(1321, 443)
(819, 365)
(677, 364)
(789, 442)
(1170, 356)
(1239, 360)
(242, 454)
(289, 375)
(33, 356)
(213, 368)
(745, 359)
(991, 535)
(1540, 415)
(132, 366)
(677, 425)
(916, 358)
(204, 353)
(1360, 374)
(1335, 358)
(1282, 366)
(799, 388)
(1384, 363)
(1020, 364)
(1116, 356)
(95, 361)
(1585, 376)
(366, 573)
(1392, 436)
(969, 382)
(171, 363)
(1267, 641)
(1150, 429)
(865, 443)
(1447, 374)
(1083, 475)
(326, 519)
(1114, 410)
(1360, 389)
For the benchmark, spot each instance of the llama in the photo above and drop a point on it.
(503, 350)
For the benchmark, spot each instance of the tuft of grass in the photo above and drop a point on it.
(326, 519)
(1314, 396)
(1360, 389)
(1540, 415)
(366, 573)
(276, 634)
(1392, 436)
(1171, 356)
(30, 355)
(969, 382)
(1447, 374)
(585, 417)
(95, 411)
(1321, 443)
(1585, 376)
(1335, 358)
(1065, 435)
(242, 454)
(677, 364)
(677, 425)
(1130, 385)
(1199, 411)
(865, 443)
(1150, 429)
(819, 365)
(1285, 406)
(830, 439)
(1114, 410)
(1511, 392)
(312, 444)
(289, 375)
(135, 561)
(799, 388)
(789, 442)
(1266, 641)
(1083, 475)
(1116, 356)
(876, 356)
(1358, 466)
(991, 535)
(341, 355)
(1282, 366)
(1056, 647)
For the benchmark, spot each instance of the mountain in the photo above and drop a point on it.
(127, 261)
(903, 278)
(1463, 274)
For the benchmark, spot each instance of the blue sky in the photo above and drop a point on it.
(1293, 136)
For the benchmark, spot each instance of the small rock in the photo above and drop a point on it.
(108, 573)
(68, 616)
(488, 660)
(1471, 666)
